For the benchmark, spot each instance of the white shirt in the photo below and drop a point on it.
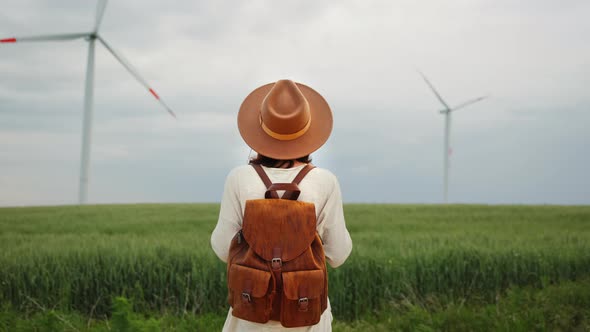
(320, 187)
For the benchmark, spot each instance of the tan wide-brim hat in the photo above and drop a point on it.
(285, 120)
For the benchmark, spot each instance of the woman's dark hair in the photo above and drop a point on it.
(277, 163)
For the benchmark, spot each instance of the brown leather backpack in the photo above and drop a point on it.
(276, 268)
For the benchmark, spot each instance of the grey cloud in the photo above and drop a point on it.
(523, 145)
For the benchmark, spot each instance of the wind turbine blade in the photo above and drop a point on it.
(135, 74)
(100, 7)
(469, 102)
(433, 90)
(59, 37)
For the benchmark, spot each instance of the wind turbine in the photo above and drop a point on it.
(91, 37)
(447, 113)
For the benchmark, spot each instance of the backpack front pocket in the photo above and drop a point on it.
(248, 293)
(302, 298)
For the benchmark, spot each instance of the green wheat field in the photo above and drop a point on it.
(413, 268)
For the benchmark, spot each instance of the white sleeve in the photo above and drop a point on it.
(335, 236)
(230, 216)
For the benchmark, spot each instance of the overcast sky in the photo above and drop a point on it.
(527, 143)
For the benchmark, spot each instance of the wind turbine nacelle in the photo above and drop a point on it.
(444, 111)
(91, 36)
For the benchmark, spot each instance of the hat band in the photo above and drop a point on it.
(285, 137)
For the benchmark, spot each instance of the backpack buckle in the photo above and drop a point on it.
(246, 298)
(276, 263)
(303, 304)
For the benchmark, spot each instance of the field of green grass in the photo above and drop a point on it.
(413, 267)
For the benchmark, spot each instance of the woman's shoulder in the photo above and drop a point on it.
(324, 174)
(240, 170)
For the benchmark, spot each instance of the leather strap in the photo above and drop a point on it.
(292, 191)
(265, 179)
(303, 302)
(276, 262)
(303, 173)
(294, 195)
(247, 292)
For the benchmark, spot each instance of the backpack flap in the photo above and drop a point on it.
(279, 223)
(248, 290)
(302, 298)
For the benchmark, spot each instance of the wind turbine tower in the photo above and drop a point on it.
(446, 111)
(91, 37)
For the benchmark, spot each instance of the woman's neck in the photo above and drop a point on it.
(297, 163)
(287, 164)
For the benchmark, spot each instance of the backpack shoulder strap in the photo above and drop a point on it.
(294, 194)
(291, 189)
(265, 179)
(303, 173)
